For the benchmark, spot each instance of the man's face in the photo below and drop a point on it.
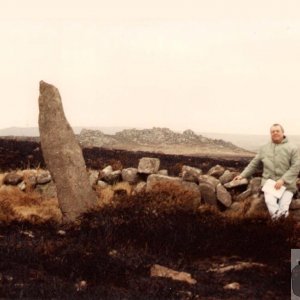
(277, 134)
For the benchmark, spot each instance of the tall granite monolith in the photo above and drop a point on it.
(63, 156)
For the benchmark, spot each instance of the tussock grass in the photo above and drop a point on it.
(16, 205)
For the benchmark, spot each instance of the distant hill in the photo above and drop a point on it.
(249, 142)
(162, 140)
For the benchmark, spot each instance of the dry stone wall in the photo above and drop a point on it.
(242, 197)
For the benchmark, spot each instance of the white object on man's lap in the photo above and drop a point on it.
(269, 187)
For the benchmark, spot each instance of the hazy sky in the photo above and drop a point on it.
(229, 66)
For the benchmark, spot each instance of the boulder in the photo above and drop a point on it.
(216, 171)
(223, 195)
(255, 185)
(148, 165)
(191, 174)
(140, 187)
(102, 184)
(235, 183)
(43, 177)
(105, 172)
(12, 178)
(163, 172)
(244, 195)
(208, 179)
(63, 156)
(208, 193)
(113, 177)
(227, 176)
(130, 175)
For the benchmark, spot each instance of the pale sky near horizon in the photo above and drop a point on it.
(226, 66)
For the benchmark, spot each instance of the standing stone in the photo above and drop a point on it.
(63, 156)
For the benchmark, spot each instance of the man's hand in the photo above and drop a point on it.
(279, 183)
(239, 177)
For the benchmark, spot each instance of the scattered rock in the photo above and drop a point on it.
(232, 286)
(22, 186)
(161, 271)
(241, 265)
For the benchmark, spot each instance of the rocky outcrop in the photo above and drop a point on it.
(95, 138)
(63, 156)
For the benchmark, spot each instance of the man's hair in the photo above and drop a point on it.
(276, 124)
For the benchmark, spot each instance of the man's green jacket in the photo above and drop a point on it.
(280, 161)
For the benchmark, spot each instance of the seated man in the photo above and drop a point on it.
(281, 162)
